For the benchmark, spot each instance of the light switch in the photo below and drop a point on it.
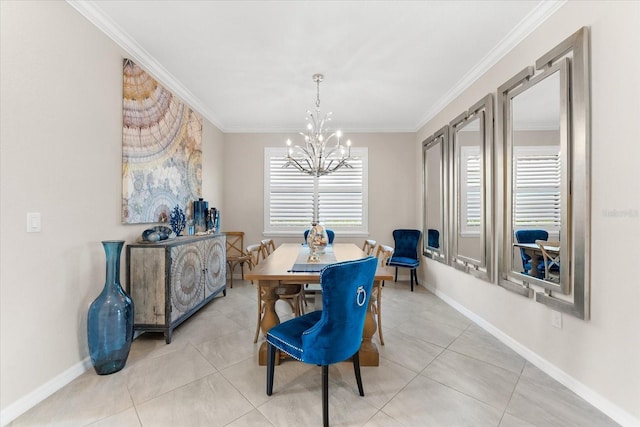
(34, 222)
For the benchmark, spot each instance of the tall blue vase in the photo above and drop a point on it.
(110, 318)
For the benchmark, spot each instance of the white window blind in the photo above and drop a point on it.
(536, 187)
(289, 195)
(470, 190)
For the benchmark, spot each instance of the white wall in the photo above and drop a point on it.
(61, 148)
(600, 357)
(392, 183)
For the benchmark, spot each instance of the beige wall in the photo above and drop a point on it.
(599, 356)
(392, 184)
(61, 139)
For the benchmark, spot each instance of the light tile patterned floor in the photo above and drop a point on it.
(436, 369)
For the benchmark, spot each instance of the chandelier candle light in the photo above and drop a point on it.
(319, 156)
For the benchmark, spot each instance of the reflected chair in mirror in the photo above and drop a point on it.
(269, 246)
(368, 246)
(330, 234)
(333, 334)
(383, 254)
(406, 252)
(551, 255)
(433, 238)
(235, 253)
(530, 236)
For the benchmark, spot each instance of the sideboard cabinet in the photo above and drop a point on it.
(172, 279)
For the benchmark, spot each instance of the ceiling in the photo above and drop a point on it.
(247, 66)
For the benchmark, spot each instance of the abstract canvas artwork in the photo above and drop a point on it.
(161, 150)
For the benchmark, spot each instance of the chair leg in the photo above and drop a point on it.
(325, 395)
(411, 275)
(396, 275)
(271, 361)
(356, 369)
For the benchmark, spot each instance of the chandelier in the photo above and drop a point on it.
(319, 155)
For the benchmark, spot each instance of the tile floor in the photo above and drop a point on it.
(436, 369)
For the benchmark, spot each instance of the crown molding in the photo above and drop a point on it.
(90, 10)
(525, 27)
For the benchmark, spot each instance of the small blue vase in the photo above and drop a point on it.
(110, 318)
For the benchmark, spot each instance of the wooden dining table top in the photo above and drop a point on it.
(277, 266)
(535, 246)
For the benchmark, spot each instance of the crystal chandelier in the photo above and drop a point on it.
(319, 156)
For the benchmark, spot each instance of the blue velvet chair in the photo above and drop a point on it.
(433, 238)
(330, 234)
(406, 252)
(333, 334)
(530, 236)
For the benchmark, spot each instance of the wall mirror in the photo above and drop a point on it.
(544, 154)
(471, 151)
(435, 187)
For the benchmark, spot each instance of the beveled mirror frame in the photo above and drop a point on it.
(440, 141)
(482, 267)
(571, 59)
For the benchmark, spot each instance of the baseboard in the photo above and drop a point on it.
(613, 411)
(27, 402)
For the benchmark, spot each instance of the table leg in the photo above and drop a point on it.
(270, 317)
(369, 355)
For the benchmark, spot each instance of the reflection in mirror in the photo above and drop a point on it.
(471, 229)
(434, 153)
(538, 190)
(544, 133)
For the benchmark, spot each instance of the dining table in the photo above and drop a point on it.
(289, 264)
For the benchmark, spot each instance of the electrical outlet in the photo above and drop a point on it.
(556, 319)
(34, 222)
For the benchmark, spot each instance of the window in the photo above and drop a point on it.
(289, 195)
(536, 187)
(470, 191)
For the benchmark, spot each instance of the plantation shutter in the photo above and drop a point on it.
(470, 190)
(536, 183)
(340, 197)
(289, 195)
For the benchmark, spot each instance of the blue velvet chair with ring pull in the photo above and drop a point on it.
(405, 253)
(333, 334)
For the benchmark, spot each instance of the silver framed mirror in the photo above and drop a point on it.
(544, 201)
(471, 154)
(435, 189)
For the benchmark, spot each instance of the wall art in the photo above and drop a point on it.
(161, 150)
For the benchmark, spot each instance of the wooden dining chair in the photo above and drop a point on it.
(368, 246)
(257, 252)
(383, 254)
(269, 246)
(551, 258)
(235, 253)
(291, 293)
